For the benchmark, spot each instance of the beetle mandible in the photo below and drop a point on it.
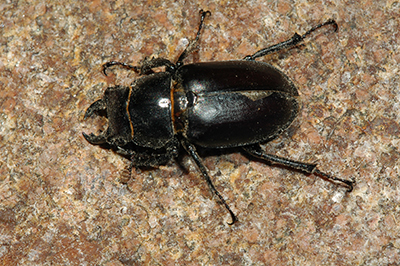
(226, 104)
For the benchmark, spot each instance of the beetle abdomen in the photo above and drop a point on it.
(235, 119)
(236, 103)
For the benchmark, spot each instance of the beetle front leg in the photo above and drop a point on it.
(296, 39)
(193, 153)
(257, 151)
(145, 66)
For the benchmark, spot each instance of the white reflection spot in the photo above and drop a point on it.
(164, 103)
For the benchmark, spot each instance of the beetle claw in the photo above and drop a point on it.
(350, 184)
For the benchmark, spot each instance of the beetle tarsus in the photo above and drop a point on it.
(296, 39)
(193, 153)
(345, 183)
(328, 22)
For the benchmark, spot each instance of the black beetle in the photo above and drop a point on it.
(217, 105)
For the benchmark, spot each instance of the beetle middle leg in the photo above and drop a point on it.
(193, 153)
(193, 44)
(146, 65)
(296, 39)
(256, 151)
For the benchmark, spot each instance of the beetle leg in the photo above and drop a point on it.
(193, 44)
(296, 39)
(258, 152)
(192, 152)
(146, 65)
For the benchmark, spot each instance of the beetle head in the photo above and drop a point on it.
(113, 106)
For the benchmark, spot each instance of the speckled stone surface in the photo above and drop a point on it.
(61, 199)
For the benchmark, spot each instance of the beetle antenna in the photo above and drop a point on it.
(296, 39)
(193, 44)
(115, 63)
(192, 151)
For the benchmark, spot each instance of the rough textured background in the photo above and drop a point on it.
(61, 201)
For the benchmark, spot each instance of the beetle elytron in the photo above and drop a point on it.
(217, 105)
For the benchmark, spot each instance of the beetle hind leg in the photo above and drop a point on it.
(258, 152)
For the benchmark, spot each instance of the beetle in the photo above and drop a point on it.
(218, 105)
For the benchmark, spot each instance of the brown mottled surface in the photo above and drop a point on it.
(60, 199)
